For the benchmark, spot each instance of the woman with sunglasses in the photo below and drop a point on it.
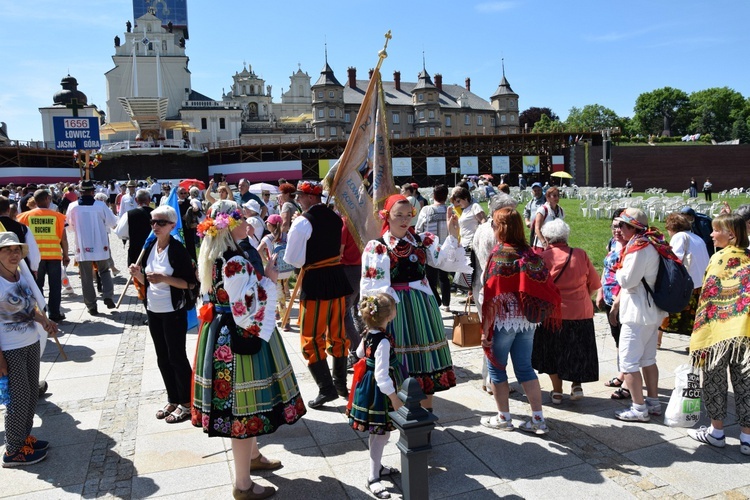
(605, 297)
(166, 272)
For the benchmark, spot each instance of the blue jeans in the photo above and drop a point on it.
(519, 345)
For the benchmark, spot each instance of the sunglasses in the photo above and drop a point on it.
(159, 222)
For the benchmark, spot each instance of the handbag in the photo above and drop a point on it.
(467, 328)
(684, 408)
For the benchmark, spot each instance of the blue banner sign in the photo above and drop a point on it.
(74, 133)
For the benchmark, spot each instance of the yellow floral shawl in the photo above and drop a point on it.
(722, 320)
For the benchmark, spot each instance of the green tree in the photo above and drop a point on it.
(529, 117)
(546, 124)
(662, 111)
(740, 130)
(715, 111)
(591, 117)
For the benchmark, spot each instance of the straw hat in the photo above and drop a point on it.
(9, 239)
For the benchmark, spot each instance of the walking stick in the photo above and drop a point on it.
(130, 278)
(297, 285)
(60, 348)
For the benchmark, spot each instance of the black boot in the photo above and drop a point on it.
(322, 377)
(339, 376)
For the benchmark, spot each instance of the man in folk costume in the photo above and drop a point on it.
(91, 221)
(324, 289)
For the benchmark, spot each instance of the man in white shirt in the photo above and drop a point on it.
(127, 202)
(91, 221)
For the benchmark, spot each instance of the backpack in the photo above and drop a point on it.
(281, 265)
(673, 287)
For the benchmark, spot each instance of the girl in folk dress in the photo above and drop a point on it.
(395, 264)
(377, 376)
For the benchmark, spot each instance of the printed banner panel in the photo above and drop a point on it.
(435, 165)
(401, 167)
(263, 171)
(469, 165)
(501, 164)
(531, 164)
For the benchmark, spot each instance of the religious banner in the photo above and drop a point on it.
(558, 163)
(402, 167)
(501, 164)
(435, 165)
(531, 164)
(362, 179)
(469, 165)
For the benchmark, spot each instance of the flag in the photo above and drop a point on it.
(179, 235)
(362, 178)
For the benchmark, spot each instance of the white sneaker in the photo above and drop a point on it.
(704, 436)
(538, 427)
(445, 308)
(633, 415)
(495, 422)
(653, 409)
(744, 448)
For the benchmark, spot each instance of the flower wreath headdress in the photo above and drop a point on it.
(372, 302)
(212, 226)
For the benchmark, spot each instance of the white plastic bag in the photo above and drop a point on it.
(684, 408)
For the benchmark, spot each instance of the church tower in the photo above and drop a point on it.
(425, 98)
(328, 106)
(505, 103)
(150, 63)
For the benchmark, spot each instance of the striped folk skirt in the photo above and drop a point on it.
(242, 395)
(421, 347)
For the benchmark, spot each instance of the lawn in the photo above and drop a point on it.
(593, 234)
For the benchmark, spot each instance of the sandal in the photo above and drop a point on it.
(621, 393)
(576, 393)
(166, 411)
(614, 382)
(556, 397)
(175, 417)
(377, 488)
(388, 471)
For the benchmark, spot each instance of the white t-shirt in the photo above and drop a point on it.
(17, 304)
(468, 223)
(687, 242)
(159, 295)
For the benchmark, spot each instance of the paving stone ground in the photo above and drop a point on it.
(99, 417)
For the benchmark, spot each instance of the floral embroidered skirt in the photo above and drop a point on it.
(242, 395)
(369, 407)
(682, 322)
(419, 335)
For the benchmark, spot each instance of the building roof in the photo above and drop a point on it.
(327, 77)
(504, 89)
(448, 97)
(197, 96)
(425, 82)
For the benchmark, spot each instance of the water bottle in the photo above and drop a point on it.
(4, 394)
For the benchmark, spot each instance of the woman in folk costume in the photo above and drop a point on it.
(721, 336)
(395, 263)
(243, 384)
(519, 295)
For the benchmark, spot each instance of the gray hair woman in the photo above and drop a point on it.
(570, 353)
(166, 273)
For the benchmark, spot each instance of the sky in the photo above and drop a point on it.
(556, 54)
